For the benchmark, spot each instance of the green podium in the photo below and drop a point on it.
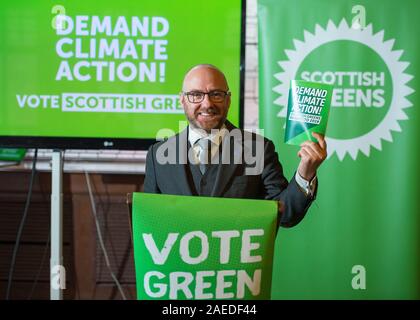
(203, 248)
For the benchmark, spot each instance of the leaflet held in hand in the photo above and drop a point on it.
(307, 110)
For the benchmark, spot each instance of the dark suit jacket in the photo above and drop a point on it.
(232, 180)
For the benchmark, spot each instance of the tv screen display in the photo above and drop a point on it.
(107, 74)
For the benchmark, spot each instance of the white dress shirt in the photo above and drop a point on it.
(215, 138)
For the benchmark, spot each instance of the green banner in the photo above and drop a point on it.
(361, 238)
(203, 248)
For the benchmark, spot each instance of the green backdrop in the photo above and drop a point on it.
(365, 221)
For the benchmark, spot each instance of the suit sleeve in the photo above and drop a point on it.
(276, 187)
(150, 182)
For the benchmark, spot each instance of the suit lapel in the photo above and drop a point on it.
(227, 170)
(182, 170)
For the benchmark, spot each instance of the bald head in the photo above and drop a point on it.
(205, 69)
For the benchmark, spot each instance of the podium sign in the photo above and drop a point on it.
(9, 154)
(203, 248)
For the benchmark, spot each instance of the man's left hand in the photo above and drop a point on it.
(311, 156)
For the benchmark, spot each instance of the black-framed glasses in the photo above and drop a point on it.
(214, 96)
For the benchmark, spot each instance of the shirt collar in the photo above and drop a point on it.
(216, 137)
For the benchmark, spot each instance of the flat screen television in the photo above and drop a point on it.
(80, 74)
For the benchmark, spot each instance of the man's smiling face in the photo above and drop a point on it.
(206, 114)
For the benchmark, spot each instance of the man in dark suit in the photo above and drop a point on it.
(211, 157)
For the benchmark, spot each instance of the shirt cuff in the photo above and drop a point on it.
(308, 187)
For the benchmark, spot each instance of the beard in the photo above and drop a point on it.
(207, 119)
